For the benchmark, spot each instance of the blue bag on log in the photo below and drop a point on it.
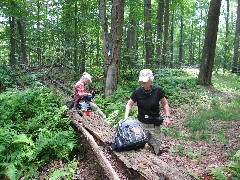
(129, 135)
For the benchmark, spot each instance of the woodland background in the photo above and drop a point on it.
(110, 38)
(191, 46)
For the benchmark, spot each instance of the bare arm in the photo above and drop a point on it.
(83, 94)
(128, 107)
(166, 109)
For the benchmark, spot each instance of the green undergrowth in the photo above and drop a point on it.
(34, 129)
(15, 78)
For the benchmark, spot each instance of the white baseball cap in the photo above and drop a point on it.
(145, 75)
(87, 76)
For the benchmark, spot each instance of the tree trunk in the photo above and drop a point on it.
(236, 41)
(165, 43)
(180, 54)
(148, 32)
(23, 43)
(83, 52)
(172, 34)
(226, 45)
(12, 42)
(207, 60)
(130, 55)
(200, 39)
(75, 60)
(160, 13)
(66, 9)
(130, 43)
(191, 48)
(112, 43)
(39, 35)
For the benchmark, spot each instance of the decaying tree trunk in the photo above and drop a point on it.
(109, 171)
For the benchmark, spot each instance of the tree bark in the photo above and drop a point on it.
(66, 10)
(226, 45)
(200, 39)
(165, 43)
(130, 42)
(112, 43)
(23, 43)
(75, 60)
(39, 35)
(148, 32)
(207, 60)
(130, 53)
(236, 41)
(171, 41)
(191, 48)
(12, 41)
(180, 54)
(160, 13)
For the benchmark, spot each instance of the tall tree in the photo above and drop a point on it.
(207, 60)
(23, 41)
(112, 43)
(12, 41)
(160, 13)
(75, 60)
(67, 14)
(38, 30)
(226, 45)
(131, 33)
(148, 31)
(165, 43)
(171, 39)
(180, 54)
(236, 41)
(130, 53)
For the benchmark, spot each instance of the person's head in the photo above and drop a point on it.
(146, 78)
(86, 78)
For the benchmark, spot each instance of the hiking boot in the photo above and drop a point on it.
(149, 148)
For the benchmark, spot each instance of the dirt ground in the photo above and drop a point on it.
(198, 157)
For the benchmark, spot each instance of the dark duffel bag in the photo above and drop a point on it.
(129, 135)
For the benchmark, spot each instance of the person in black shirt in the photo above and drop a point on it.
(147, 98)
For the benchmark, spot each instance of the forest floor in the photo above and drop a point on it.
(199, 156)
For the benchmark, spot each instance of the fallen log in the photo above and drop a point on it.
(109, 171)
(140, 163)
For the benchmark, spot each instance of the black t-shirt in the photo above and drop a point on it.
(148, 101)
